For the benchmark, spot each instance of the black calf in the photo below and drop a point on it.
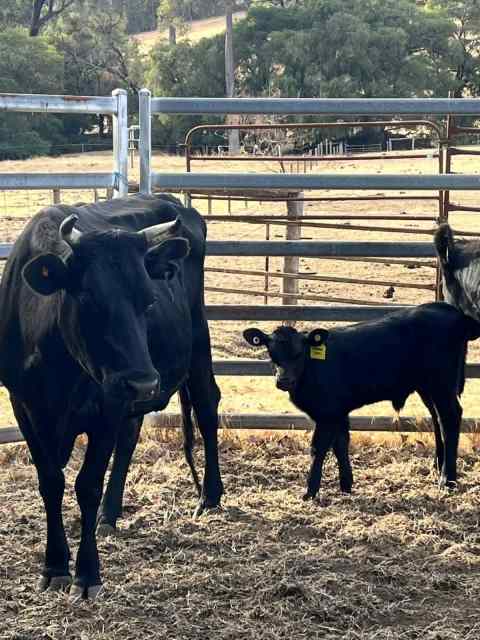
(330, 373)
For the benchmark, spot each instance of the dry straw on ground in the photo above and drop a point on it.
(399, 559)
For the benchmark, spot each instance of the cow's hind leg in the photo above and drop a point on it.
(340, 449)
(205, 396)
(51, 482)
(112, 503)
(88, 487)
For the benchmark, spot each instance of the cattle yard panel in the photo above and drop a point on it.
(295, 215)
(114, 105)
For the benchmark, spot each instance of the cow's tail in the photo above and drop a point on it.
(188, 434)
(444, 242)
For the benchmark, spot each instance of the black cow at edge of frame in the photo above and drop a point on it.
(103, 319)
(328, 374)
(460, 264)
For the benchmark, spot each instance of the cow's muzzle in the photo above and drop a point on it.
(132, 387)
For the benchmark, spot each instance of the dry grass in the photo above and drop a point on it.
(397, 560)
(196, 30)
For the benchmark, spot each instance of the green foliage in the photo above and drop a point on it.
(28, 65)
(185, 70)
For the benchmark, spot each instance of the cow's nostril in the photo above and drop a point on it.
(144, 389)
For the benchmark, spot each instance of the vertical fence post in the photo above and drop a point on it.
(56, 196)
(293, 232)
(145, 140)
(267, 265)
(120, 143)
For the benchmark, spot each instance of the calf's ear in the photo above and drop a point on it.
(317, 337)
(45, 274)
(255, 337)
(163, 261)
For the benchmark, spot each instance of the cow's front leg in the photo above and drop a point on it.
(112, 503)
(51, 484)
(322, 439)
(88, 487)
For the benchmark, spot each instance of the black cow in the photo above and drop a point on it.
(328, 374)
(103, 319)
(460, 263)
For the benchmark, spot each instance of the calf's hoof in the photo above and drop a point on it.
(53, 583)
(80, 592)
(308, 496)
(450, 485)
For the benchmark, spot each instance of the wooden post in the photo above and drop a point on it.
(292, 232)
(109, 193)
(56, 196)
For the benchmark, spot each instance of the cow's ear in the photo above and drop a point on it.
(162, 262)
(255, 337)
(317, 337)
(45, 274)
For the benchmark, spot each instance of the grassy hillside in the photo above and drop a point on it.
(197, 30)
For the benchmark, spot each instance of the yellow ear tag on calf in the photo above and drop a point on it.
(318, 353)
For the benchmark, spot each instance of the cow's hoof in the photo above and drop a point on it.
(307, 496)
(55, 583)
(78, 592)
(104, 530)
(206, 505)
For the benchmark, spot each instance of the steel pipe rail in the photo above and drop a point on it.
(303, 182)
(307, 313)
(313, 106)
(39, 103)
(253, 367)
(320, 249)
(306, 248)
(20, 181)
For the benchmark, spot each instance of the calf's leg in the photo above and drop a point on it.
(112, 503)
(340, 449)
(323, 438)
(439, 448)
(188, 434)
(449, 413)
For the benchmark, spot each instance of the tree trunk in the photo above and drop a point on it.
(233, 136)
(35, 21)
(172, 34)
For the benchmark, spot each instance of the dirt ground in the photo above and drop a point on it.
(399, 559)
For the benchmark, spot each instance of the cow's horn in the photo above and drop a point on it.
(160, 232)
(67, 230)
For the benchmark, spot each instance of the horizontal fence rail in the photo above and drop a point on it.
(38, 103)
(22, 181)
(301, 182)
(308, 249)
(313, 106)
